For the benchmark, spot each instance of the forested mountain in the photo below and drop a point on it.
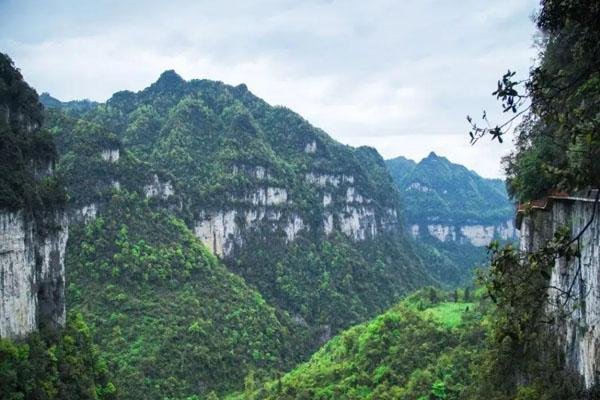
(436, 189)
(177, 191)
(453, 212)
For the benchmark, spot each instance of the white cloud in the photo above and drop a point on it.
(400, 76)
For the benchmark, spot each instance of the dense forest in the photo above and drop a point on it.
(221, 247)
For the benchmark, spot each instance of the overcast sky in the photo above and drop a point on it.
(398, 75)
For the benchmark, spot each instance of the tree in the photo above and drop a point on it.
(557, 145)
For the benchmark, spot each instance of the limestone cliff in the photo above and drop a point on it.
(478, 235)
(578, 312)
(343, 208)
(33, 224)
(32, 273)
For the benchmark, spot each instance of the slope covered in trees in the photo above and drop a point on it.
(172, 321)
(456, 194)
(426, 347)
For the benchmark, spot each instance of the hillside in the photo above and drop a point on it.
(423, 348)
(45, 353)
(438, 190)
(171, 319)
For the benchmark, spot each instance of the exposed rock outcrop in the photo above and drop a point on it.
(157, 188)
(579, 315)
(110, 155)
(32, 275)
(478, 234)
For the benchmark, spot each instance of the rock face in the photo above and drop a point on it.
(478, 235)
(33, 227)
(110, 155)
(579, 315)
(162, 190)
(344, 209)
(32, 275)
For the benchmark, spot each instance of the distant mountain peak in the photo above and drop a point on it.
(169, 79)
(432, 158)
(49, 101)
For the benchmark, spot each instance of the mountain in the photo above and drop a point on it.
(437, 190)
(75, 105)
(453, 212)
(213, 235)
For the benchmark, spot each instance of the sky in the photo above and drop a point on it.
(397, 75)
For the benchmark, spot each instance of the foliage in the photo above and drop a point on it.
(27, 153)
(557, 148)
(406, 353)
(49, 365)
(438, 191)
(558, 144)
(522, 359)
(171, 320)
(208, 139)
(333, 283)
(448, 192)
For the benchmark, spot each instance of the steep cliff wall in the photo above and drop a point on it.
(343, 208)
(578, 313)
(33, 227)
(478, 235)
(32, 273)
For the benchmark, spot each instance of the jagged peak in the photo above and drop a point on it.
(168, 79)
(48, 100)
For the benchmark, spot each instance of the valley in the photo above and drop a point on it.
(190, 240)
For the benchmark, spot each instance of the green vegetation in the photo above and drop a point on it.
(449, 314)
(558, 142)
(169, 317)
(208, 139)
(26, 151)
(175, 322)
(522, 359)
(55, 365)
(423, 348)
(557, 148)
(437, 190)
(452, 264)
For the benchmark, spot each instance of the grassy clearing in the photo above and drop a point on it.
(448, 313)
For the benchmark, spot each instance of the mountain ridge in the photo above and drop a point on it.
(309, 224)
